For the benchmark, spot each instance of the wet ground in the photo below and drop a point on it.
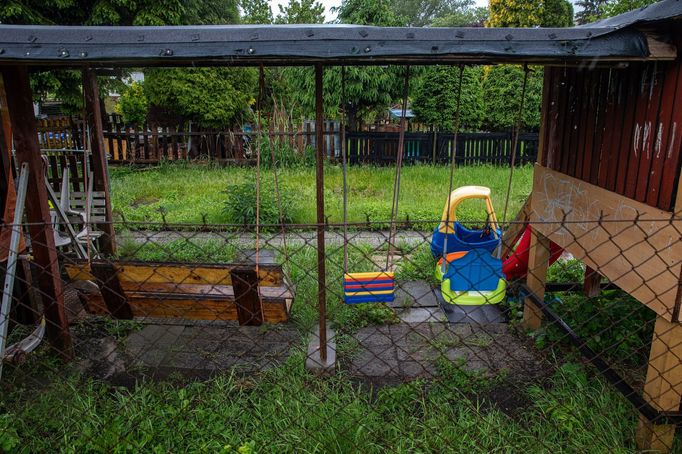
(382, 355)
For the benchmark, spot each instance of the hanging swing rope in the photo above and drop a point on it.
(452, 164)
(344, 165)
(515, 141)
(273, 159)
(396, 181)
(374, 287)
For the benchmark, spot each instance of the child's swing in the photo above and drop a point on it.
(469, 273)
(373, 286)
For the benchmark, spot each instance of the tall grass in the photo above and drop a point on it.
(288, 410)
(187, 193)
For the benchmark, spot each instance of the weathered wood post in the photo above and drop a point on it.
(99, 157)
(23, 122)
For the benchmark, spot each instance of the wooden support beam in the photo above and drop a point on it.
(592, 283)
(113, 295)
(99, 157)
(538, 262)
(514, 230)
(247, 300)
(663, 386)
(6, 174)
(20, 103)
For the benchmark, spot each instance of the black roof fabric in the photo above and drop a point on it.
(612, 39)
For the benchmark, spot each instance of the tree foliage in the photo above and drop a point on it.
(589, 11)
(207, 95)
(469, 17)
(440, 13)
(369, 12)
(256, 12)
(616, 7)
(367, 89)
(530, 13)
(133, 105)
(211, 97)
(301, 12)
(502, 87)
(435, 98)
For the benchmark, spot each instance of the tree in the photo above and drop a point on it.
(445, 13)
(557, 13)
(369, 12)
(301, 12)
(211, 97)
(367, 89)
(469, 17)
(133, 105)
(616, 7)
(435, 98)
(256, 12)
(589, 11)
(192, 84)
(530, 13)
(502, 97)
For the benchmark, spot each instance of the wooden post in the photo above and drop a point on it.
(592, 282)
(246, 298)
(538, 262)
(663, 386)
(7, 184)
(106, 275)
(20, 103)
(99, 157)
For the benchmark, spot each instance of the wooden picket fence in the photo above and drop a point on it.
(233, 146)
(127, 145)
(437, 147)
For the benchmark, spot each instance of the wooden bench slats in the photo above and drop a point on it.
(201, 291)
(191, 309)
(190, 291)
(159, 273)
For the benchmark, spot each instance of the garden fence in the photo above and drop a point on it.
(151, 145)
(236, 343)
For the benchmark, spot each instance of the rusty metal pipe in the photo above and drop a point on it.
(319, 185)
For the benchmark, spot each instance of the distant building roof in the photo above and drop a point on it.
(397, 113)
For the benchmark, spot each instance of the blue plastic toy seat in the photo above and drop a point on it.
(477, 270)
(464, 240)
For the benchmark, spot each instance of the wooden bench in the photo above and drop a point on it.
(185, 290)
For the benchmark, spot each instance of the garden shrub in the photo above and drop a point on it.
(240, 206)
(286, 156)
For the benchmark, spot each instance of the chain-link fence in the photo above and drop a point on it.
(206, 338)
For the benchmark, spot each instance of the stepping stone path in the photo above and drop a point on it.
(407, 351)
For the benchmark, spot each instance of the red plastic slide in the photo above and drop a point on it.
(516, 266)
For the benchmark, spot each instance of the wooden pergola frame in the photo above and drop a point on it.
(638, 36)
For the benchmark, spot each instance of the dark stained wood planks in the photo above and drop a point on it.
(20, 103)
(617, 128)
(99, 158)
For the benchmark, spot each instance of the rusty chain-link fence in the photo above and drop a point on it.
(200, 338)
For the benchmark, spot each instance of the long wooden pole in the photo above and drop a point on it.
(319, 186)
(99, 157)
(20, 104)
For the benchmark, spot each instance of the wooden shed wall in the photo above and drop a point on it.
(617, 128)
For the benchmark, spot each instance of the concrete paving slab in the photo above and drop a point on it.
(415, 294)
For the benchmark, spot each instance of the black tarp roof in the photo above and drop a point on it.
(613, 39)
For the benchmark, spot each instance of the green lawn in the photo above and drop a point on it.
(185, 192)
(288, 410)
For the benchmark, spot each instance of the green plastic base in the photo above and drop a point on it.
(471, 298)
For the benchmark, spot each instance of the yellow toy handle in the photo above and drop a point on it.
(447, 224)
